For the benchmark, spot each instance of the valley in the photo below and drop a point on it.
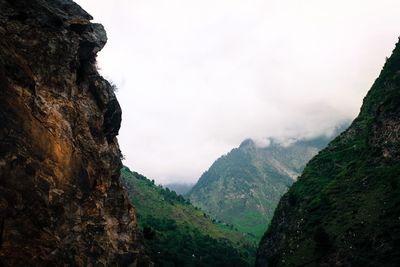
(66, 198)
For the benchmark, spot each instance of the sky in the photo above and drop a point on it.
(195, 78)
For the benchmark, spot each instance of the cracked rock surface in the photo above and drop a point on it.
(61, 202)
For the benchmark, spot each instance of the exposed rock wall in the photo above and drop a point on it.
(60, 197)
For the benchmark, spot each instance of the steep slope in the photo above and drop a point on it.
(244, 187)
(178, 234)
(60, 198)
(345, 208)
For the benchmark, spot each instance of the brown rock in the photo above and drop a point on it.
(60, 198)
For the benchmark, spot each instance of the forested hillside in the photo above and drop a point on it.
(243, 187)
(178, 234)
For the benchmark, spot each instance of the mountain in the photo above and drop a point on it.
(243, 187)
(61, 203)
(180, 188)
(345, 208)
(178, 234)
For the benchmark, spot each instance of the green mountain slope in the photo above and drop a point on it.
(178, 234)
(243, 187)
(345, 208)
(180, 188)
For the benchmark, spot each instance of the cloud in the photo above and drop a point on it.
(198, 77)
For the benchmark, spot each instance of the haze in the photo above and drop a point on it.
(195, 78)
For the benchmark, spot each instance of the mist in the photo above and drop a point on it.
(196, 78)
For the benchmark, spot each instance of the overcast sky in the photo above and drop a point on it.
(195, 78)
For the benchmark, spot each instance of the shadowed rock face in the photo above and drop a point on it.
(60, 197)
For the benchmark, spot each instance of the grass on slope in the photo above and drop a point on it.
(347, 202)
(244, 186)
(178, 234)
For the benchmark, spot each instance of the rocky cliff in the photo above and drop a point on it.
(60, 197)
(345, 208)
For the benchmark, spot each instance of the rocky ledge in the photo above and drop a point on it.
(61, 202)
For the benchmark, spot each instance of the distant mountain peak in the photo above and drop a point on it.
(247, 143)
(244, 186)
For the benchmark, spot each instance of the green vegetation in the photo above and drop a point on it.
(178, 234)
(243, 187)
(346, 205)
(180, 188)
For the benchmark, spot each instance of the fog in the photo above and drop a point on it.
(196, 78)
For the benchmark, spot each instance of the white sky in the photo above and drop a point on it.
(195, 78)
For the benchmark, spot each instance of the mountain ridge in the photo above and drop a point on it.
(344, 209)
(243, 187)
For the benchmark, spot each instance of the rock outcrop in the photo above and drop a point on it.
(345, 208)
(60, 197)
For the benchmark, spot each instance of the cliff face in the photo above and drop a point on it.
(345, 208)
(60, 196)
